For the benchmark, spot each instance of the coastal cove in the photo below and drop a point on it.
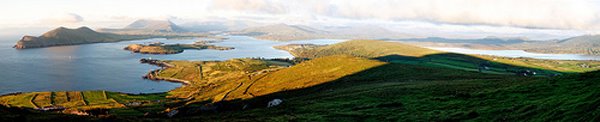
(106, 66)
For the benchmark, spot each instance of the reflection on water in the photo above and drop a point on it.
(519, 53)
(106, 66)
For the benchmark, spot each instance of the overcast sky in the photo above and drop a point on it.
(453, 18)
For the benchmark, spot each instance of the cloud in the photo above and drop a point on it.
(68, 18)
(554, 14)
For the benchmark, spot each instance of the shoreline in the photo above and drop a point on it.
(152, 74)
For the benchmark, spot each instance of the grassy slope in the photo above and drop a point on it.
(311, 73)
(405, 91)
(366, 48)
(502, 99)
(403, 53)
(246, 78)
(212, 80)
(84, 100)
(8, 114)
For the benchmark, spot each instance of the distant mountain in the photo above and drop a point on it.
(283, 29)
(487, 40)
(283, 32)
(366, 32)
(487, 43)
(65, 36)
(218, 26)
(154, 25)
(585, 41)
(586, 44)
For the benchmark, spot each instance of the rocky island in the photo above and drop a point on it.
(160, 48)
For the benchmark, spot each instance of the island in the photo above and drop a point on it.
(161, 48)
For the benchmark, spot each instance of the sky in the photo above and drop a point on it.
(537, 19)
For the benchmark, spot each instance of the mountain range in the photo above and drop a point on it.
(154, 25)
(585, 44)
(151, 27)
(285, 32)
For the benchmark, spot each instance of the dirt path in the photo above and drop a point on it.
(226, 94)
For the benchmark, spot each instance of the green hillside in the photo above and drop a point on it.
(352, 81)
(568, 98)
(403, 53)
(365, 48)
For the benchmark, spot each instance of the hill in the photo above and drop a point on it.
(405, 53)
(586, 44)
(487, 43)
(153, 28)
(365, 32)
(154, 25)
(219, 26)
(397, 98)
(487, 40)
(65, 36)
(282, 32)
(364, 48)
(405, 92)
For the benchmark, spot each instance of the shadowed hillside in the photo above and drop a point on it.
(362, 97)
